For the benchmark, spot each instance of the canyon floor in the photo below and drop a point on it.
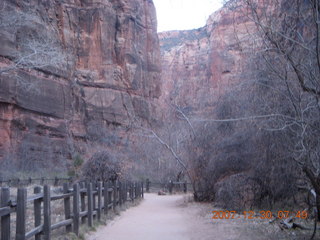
(176, 217)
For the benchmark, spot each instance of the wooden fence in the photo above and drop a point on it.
(42, 181)
(82, 203)
(170, 186)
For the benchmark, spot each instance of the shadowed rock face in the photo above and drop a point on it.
(104, 71)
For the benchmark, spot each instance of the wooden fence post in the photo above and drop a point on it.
(76, 209)
(94, 187)
(37, 212)
(110, 194)
(170, 186)
(147, 185)
(120, 193)
(67, 206)
(106, 197)
(56, 181)
(5, 220)
(135, 190)
(90, 205)
(125, 191)
(142, 190)
(82, 201)
(139, 189)
(132, 191)
(21, 214)
(46, 212)
(114, 194)
(99, 200)
(185, 187)
(128, 191)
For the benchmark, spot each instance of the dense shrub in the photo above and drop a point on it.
(101, 167)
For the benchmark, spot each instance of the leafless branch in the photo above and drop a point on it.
(180, 111)
(174, 154)
(36, 50)
(245, 118)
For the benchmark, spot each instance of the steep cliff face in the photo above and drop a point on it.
(79, 76)
(206, 74)
(200, 65)
(185, 63)
(74, 73)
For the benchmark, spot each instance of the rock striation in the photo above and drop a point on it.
(200, 65)
(74, 73)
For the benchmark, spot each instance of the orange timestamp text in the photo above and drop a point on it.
(258, 215)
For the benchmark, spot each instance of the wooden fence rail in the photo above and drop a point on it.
(170, 186)
(82, 203)
(28, 181)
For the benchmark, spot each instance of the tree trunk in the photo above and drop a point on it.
(318, 206)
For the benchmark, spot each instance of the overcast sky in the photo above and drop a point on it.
(184, 14)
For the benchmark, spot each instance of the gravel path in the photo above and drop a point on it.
(172, 217)
(157, 217)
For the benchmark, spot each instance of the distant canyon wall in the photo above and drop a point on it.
(200, 65)
(209, 75)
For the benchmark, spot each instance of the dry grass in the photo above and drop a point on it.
(57, 209)
(241, 228)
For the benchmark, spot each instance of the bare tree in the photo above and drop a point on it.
(35, 48)
(102, 166)
(285, 50)
(292, 39)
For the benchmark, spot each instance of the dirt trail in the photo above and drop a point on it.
(157, 217)
(174, 218)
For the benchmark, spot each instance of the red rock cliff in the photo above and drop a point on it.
(97, 69)
(203, 71)
(200, 65)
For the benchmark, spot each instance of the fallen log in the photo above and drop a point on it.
(297, 225)
(287, 223)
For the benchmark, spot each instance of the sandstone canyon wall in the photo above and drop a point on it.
(80, 76)
(201, 65)
(211, 74)
(96, 71)
(201, 69)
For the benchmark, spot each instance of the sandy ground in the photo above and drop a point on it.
(157, 217)
(176, 218)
